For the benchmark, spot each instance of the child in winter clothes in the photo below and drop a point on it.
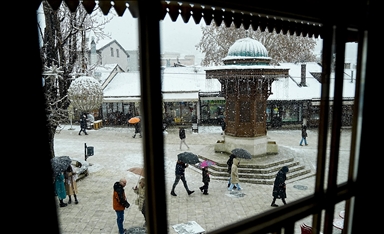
(206, 180)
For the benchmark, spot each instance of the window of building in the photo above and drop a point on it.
(111, 52)
(117, 52)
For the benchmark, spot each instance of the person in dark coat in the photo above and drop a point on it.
(279, 187)
(182, 137)
(180, 175)
(206, 180)
(137, 129)
(119, 203)
(223, 126)
(303, 135)
(83, 124)
(229, 165)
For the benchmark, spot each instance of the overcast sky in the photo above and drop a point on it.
(175, 36)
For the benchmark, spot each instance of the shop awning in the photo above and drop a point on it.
(181, 97)
(121, 99)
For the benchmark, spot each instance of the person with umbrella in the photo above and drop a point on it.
(206, 179)
(235, 175)
(279, 188)
(180, 175)
(229, 167)
(136, 121)
(140, 191)
(60, 189)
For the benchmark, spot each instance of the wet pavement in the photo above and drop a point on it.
(115, 151)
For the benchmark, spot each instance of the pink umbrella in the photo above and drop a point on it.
(206, 163)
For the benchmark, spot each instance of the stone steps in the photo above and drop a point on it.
(259, 173)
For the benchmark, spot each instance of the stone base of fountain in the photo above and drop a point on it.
(257, 146)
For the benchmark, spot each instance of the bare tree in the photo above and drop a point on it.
(216, 42)
(63, 54)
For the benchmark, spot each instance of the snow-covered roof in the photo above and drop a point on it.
(289, 88)
(101, 73)
(178, 83)
(184, 83)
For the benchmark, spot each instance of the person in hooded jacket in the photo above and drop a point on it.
(235, 175)
(120, 202)
(205, 179)
(180, 175)
(279, 187)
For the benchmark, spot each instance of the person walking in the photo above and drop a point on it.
(137, 129)
(303, 135)
(206, 180)
(229, 167)
(180, 175)
(140, 191)
(235, 175)
(279, 187)
(60, 189)
(223, 126)
(120, 202)
(83, 124)
(182, 137)
(71, 184)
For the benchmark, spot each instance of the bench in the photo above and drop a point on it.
(97, 124)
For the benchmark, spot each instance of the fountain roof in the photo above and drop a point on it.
(247, 48)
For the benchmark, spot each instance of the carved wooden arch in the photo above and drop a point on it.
(197, 12)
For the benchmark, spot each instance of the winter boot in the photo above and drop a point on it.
(70, 200)
(190, 192)
(205, 192)
(201, 189)
(62, 204)
(76, 201)
(173, 193)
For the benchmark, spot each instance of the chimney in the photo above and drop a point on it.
(303, 72)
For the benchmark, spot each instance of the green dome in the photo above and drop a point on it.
(247, 47)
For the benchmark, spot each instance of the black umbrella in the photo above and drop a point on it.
(241, 153)
(60, 164)
(188, 157)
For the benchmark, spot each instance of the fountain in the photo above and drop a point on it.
(246, 79)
